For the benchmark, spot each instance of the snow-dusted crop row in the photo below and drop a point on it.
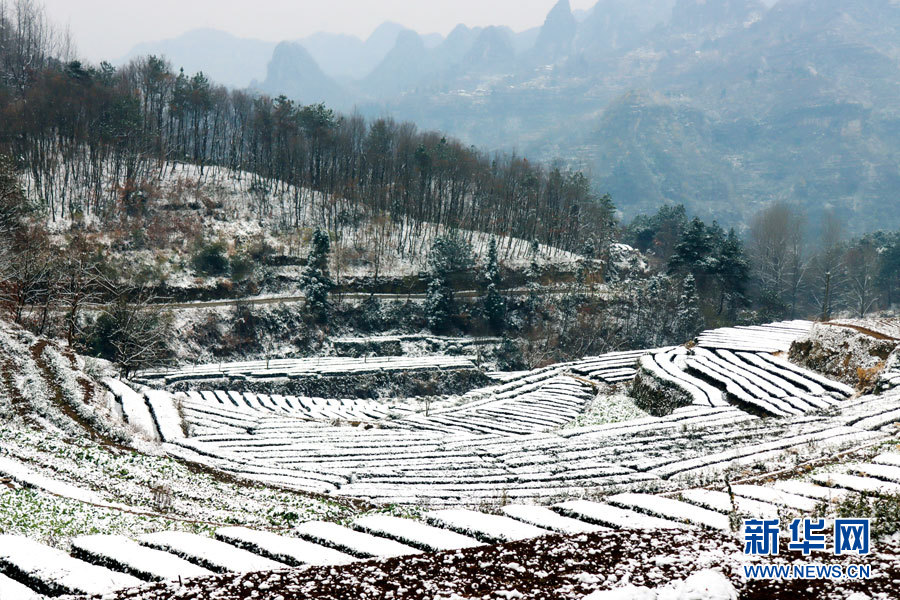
(522, 409)
(318, 409)
(306, 367)
(772, 338)
(405, 465)
(758, 382)
(506, 442)
(102, 564)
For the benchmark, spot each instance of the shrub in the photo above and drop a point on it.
(242, 267)
(211, 259)
(884, 512)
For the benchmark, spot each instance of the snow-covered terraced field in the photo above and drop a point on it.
(757, 382)
(615, 367)
(313, 409)
(284, 549)
(406, 465)
(123, 554)
(54, 573)
(518, 408)
(104, 564)
(305, 367)
(771, 338)
(885, 327)
(506, 441)
(514, 446)
(208, 553)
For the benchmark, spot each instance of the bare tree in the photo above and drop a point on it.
(861, 263)
(29, 276)
(776, 253)
(134, 331)
(81, 283)
(827, 267)
(13, 208)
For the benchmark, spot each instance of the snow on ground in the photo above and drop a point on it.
(614, 407)
(164, 410)
(167, 493)
(54, 572)
(703, 585)
(420, 459)
(353, 542)
(11, 589)
(208, 553)
(288, 550)
(414, 533)
(123, 554)
(490, 528)
(671, 509)
(134, 409)
(884, 326)
(25, 476)
(304, 367)
(545, 518)
(613, 516)
(548, 568)
(231, 206)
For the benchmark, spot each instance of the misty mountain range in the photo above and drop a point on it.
(722, 105)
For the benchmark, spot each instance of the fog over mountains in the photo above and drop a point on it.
(721, 105)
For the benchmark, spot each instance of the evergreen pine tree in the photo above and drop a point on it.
(494, 303)
(694, 251)
(439, 302)
(688, 319)
(533, 302)
(316, 281)
(733, 272)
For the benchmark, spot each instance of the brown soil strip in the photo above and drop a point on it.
(19, 404)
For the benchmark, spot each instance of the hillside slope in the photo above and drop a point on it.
(72, 464)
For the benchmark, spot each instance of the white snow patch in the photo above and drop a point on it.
(703, 585)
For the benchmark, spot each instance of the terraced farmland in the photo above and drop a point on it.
(501, 464)
(505, 442)
(105, 564)
(297, 368)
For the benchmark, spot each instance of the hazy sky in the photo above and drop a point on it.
(107, 29)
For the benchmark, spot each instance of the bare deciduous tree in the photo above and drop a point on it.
(861, 264)
(134, 331)
(82, 282)
(827, 267)
(776, 253)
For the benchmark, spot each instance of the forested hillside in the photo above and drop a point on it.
(90, 138)
(722, 106)
(129, 189)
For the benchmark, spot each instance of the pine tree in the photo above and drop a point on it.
(732, 273)
(494, 303)
(316, 282)
(694, 251)
(688, 319)
(533, 302)
(439, 302)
